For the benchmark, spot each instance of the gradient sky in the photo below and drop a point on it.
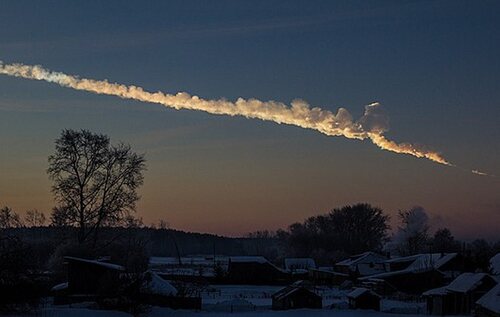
(433, 65)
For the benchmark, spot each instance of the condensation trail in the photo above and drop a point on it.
(371, 125)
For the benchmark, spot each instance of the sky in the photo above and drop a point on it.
(434, 66)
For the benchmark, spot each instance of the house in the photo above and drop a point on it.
(255, 270)
(295, 296)
(405, 281)
(92, 276)
(495, 264)
(415, 274)
(195, 269)
(363, 298)
(299, 268)
(489, 304)
(459, 297)
(364, 264)
(327, 276)
(299, 265)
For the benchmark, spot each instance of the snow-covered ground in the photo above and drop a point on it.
(260, 296)
(162, 312)
(247, 301)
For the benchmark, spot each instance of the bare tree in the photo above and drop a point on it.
(9, 218)
(34, 218)
(413, 234)
(95, 183)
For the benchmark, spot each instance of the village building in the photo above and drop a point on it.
(363, 298)
(255, 270)
(92, 276)
(460, 296)
(495, 264)
(327, 276)
(489, 304)
(194, 269)
(364, 264)
(299, 265)
(297, 295)
(415, 274)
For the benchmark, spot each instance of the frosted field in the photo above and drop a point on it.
(246, 301)
(159, 312)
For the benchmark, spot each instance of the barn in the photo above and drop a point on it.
(363, 298)
(255, 270)
(489, 304)
(460, 296)
(415, 274)
(297, 295)
(326, 276)
(364, 264)
(92, 277)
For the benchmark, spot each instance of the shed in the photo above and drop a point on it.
(495, 264)
(295, 296)
(363, 298)
(459, 297)
(255, 270)
(489, 304)
(363, 264)
(300, 265)
(92, 277)
(326, 276)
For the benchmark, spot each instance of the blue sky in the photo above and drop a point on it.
(433, 65)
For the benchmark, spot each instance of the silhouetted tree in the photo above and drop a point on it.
(412, 236)
(348, 230)
(95, 183)
(481, 252)
(34, 218)
(443, 241)
(9, 218)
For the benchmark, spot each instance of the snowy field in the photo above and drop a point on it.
(259, 296)
(246, 301)
(160, 312)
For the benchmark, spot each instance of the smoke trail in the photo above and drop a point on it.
(371, 125)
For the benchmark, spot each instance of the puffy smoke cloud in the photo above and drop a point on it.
(371, 125)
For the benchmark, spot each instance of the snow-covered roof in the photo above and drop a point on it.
(436, 291)
(495, 264)
(154, 284)
(403, 258)
(418, 263)
(393, 273)
(292, 288)
(424, 260)
(233, 305)
(110, 266)
(248, 259)
(293, 264)
(466, 282)
(187, 260)
(357, 292)
(187, 271)
(434, 260)
(60, 287)
(491, 300)
(353, 260)
(329, 271)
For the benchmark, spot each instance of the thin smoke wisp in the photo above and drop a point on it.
(371, 126)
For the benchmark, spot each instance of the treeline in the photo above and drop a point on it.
(361, 227)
